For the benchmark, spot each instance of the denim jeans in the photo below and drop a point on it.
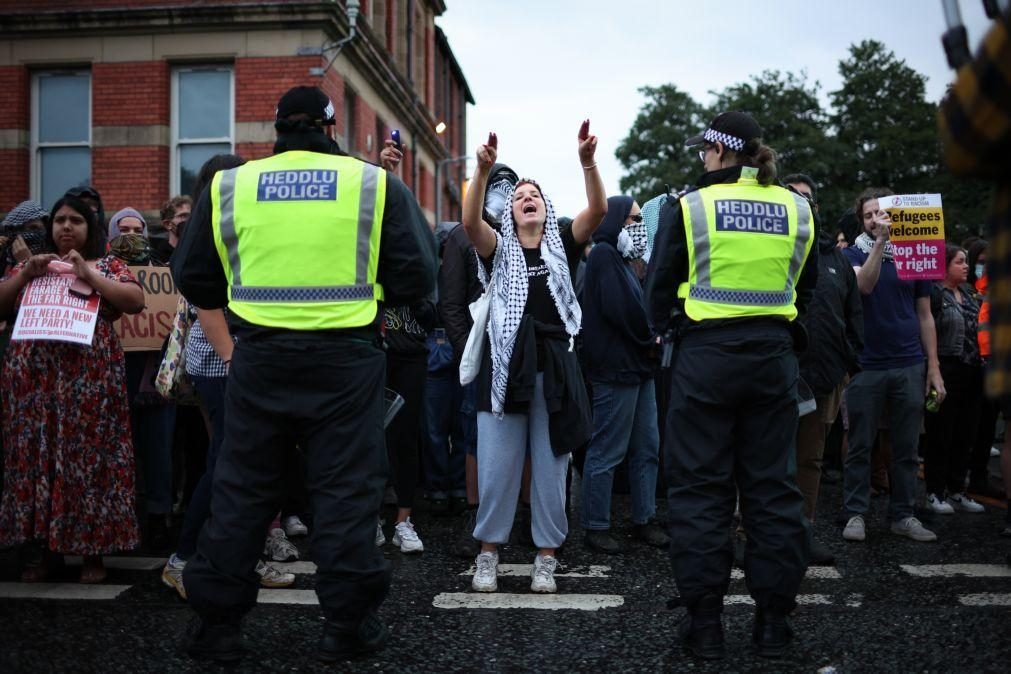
(624, 421)
(446, 438)
(871, 391)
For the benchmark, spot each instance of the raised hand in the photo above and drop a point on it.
(390, 157)
(587, 144)
(487, 153)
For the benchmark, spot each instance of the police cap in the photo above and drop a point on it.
(310, 101)
(733, 129)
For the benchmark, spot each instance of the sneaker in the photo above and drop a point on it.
(271, 576)
(380, 536)
(542, 576)
(279, 548)
(855, 530)
(294, 526)
(911, 527)
(938, 506)
(486, 574)
(964, 503)
(339, 643)
(407, 538)
(172, 574)
(994, 451)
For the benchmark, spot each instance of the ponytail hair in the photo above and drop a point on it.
(758, 154)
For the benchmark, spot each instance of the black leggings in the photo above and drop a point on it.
(406, 374)
(952, 429)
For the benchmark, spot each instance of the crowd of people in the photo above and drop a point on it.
(574, 377)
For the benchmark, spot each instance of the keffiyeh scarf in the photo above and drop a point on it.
(509, 287)
(866, 244)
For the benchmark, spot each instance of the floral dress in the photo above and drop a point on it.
(69, 465)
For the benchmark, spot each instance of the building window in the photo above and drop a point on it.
(61, 133)
(203, 121)
(350, 103)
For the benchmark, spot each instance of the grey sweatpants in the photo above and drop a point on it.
(501, 452)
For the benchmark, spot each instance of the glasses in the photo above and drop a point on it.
(637, 218)
(703, 152)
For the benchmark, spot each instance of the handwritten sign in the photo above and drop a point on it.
(917, 235)
(147, 330)
(49, 312)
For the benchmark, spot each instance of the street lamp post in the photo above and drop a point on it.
(438, 186)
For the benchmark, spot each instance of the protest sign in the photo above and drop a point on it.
(917, 235)
(147, 330)
(49, 312)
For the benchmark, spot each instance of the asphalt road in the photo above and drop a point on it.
(890, 604)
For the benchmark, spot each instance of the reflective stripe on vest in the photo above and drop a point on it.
(324, 218)
(701, 291)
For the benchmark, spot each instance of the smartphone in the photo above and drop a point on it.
(80, 289)
(395, 135)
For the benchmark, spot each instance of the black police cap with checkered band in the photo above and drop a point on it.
(733, 129)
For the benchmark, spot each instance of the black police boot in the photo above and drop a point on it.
(772, 633)
(701, 632)
(340, 643)
(602, 540)
(214, 640)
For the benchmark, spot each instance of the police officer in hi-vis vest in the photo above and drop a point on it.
(302, 247)
(730, 270)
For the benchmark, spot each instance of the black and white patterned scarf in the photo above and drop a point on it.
(509, 291)
(865, 244)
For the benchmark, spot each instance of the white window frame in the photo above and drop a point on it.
(176, 142)
(35, 169)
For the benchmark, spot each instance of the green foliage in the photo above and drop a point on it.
(653, 153)
(881, 131)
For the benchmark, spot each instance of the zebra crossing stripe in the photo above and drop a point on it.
(854, 600)
(814, 572)
(123, 563)
(527, 569)
(61, 591)
(951, 570)
(985, 599)
(503, 600)
(287, 596)
(298, 568)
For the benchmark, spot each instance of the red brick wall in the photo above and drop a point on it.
(14, 186)
(260, 82)
(425, 193)
(251, 151)
(15, 84)
(135, 176)
(130, 94)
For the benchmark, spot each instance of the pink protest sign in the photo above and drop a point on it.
(917, 235)
(50, 312)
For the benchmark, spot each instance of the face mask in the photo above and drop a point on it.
(35, 239)
(633, 240)
(495, 200)
(131, 248)
(980, 270)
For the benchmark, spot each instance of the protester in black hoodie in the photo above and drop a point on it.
(619, 347)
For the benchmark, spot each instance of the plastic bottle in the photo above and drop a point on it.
(932, 405)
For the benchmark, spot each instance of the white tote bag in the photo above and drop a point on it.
(470, 363)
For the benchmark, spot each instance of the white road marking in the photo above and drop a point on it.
(60, 591)
(551, 602)
(124, 563)
(526, 569)
(822, 572)
(948, 570)
(298, 568)
(852, 600)
(985, 599)
(287, 596)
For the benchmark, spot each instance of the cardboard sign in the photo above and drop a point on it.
(147, 330)
(49, 312)
(917, 235)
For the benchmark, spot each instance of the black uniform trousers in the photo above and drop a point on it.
(731, 426)
(326, 396)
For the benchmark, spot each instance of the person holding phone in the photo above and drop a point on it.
(69, 463)
(528, 266)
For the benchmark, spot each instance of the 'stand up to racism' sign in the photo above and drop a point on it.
(917, 235)
(48, 311)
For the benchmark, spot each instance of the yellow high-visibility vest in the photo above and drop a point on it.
(747, 244)
(298, 236)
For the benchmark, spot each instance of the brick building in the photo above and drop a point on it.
(132, 96)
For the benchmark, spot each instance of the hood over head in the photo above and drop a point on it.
(618, 209)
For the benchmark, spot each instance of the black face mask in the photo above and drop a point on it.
(35, 239)
(162, 249)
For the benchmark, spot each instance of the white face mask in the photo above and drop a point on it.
(633, 240)
(495, 201)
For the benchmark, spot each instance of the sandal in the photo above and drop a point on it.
(93, 570)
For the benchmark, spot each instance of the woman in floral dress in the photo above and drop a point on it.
(69, 467)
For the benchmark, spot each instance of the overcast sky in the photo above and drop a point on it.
(538, 67)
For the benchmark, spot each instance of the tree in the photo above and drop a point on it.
(653, 154)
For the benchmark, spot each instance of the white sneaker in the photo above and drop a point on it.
(542, 577)
(914, 529)
(407, 538)
(994, 451)
(855, 530)
(271, 576)
(964, 503)
(486, 574)
(172, 574)
(279, 548)
(938, 506)
(380, 536)
(294, 526)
